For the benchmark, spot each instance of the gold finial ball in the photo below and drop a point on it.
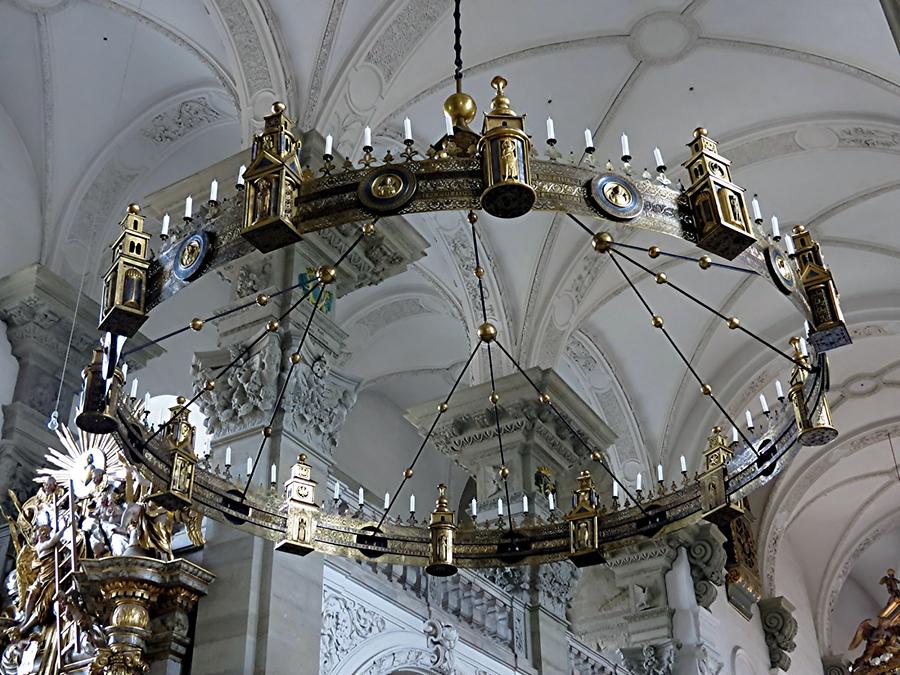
(706, 390)
(499, 83)
(272, 326)
(545, 399)
(296, 358)
(494, 398)
(487, 332)
(602, 241)
(700, 131)
(653, 251)
(504, 472)
(479, 272)
(209, 385)
(196, 324)
(301, 458)
(262, 299)
(661, 278)
(799, 229)
(717, 429)
(368, 229)
(705, 262)
(134, 208)
(408, 473)
(472, 217)
(327, 274)
(278, 107)
(443, 407)
(267, 431)
(461, 107)
(733, 322)
(596, 456)
(657, 321)
(180, 400)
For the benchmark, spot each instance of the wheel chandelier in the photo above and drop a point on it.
(500, 172)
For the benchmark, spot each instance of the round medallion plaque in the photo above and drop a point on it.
(387, 189)
(616, 197)
(781, 270)
(190, 256)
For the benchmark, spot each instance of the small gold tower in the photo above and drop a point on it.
(828, 328)
(272, 182)
(814, 427)
(124, 309)
(302, 512)
(720, 212)
(584, 524)
(504, 148)
(440, 563)
(713, 497)
(179, 437)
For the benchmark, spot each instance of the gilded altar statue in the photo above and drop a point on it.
(881, 654)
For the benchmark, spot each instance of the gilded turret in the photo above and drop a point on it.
(442, 527)
(584, 524)
(123, 305)
(302, 512)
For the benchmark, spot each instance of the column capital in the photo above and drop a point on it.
(705, 547)
(652, 659)
(836, 665)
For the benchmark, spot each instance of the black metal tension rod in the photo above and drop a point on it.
(571, 429)
(703, 386)
(442, 408)
(713, 263)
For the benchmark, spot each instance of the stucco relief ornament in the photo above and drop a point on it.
(442, 639)
(316, 406)
(345, 624)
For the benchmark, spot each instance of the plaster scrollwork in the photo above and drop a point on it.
(707, 664)
(780, 629)
(316, 405)
(171, 125)
(441, 639)
(707, 557)
(836, 665)
(555, 586)
(346, 623)
(650, 659)
(511, 580)
(392, 312)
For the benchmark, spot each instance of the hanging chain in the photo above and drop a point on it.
(457, 45)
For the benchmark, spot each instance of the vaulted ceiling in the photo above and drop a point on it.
(105, 101)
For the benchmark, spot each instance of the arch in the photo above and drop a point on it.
(387, 653)
(741, 663)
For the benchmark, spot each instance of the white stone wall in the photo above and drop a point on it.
(805, 658)
(9, 368)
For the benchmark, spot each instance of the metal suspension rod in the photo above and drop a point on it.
(500, 440)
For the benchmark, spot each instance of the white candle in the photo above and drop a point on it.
(659, 473)
(658, 158)
(228, 456)
(337, 491)
(407, 129)
(146, 400)
(500, 507)
(551, 132)
(329, 143)
(274, 474)
(241, 174)
(803, 348)
(387, 500)
(615, 490)
(524, 503)
(806, 328)
(789, 245)
(134, 386)
(367, 137)
(214, 190)
(588, 139)
(412, 503)
(165, 225)
(639, 481)
(448, 124)
(125, 365)
(360, 497)
(776, 231)
(249, 465)
(683, 465)
(754, 204)
(764, 403)
(734, 435)
(625, 150)
(473, 507)
(188, 206)
(778, 389)
(551, 499)
(749, 419)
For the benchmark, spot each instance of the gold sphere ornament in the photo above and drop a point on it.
(443, 407)
(545, 399)
(134, 208)
(504, 472)
(706, 390)
(180, 400)
(462, 109)
(327, 274)
(494, 398)
(487, 332)
(596, 456)
(602, 241)
(209, 385)
(700, 131)
(717, 429)
(653, 251)
(661, 278)
(196, 324)
(479, 272)
(705, 262)
(368, 229)
(278, 107)
(472, 217)
(267, 431)
(733, 322)
(296, 358)
(408, 473)
(272, 326)
(262, 299)
(657, 321)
